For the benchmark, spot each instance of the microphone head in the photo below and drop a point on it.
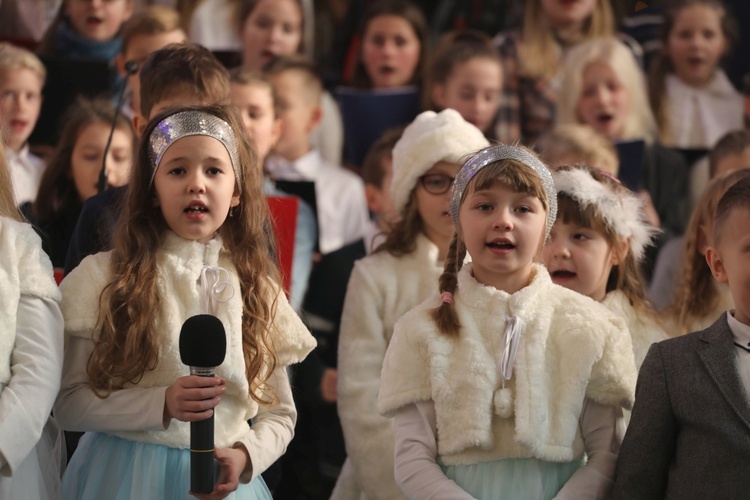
(203, 342)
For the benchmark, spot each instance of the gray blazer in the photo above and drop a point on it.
(689, 435)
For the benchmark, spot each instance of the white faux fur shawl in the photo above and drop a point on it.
(571, 348)
(24, 270)
(179, 268)
(643, 330)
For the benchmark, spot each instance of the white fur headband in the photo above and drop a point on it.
(621, 212)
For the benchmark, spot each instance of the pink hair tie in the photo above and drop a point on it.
(446, 297)
(607, 174)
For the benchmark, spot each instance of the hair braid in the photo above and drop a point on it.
(445, 315)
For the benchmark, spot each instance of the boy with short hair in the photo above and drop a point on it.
(176, 75)
(731, 152)
(144, 33)
(689, 435)
(22, 77)
(341, 207)
(377, 172)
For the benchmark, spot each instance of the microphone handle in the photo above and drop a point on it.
(202, 447)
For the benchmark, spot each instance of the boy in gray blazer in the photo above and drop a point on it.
(689, 435)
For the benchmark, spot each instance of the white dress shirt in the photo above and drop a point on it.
(340, 197)
(26, 172)
(741, 335)
(698, 117)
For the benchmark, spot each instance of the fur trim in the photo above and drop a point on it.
(430, 138)
(623, 213)
(24, 270)
(570, 348)
(180, 263)
(644, 331)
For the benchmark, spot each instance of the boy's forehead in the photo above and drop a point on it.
(20, 75)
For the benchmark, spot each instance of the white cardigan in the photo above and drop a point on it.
(381, 289)
(180, 263)
(571, 348)
(30, 363)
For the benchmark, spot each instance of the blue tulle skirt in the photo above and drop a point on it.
(512, 478)
(111, 468)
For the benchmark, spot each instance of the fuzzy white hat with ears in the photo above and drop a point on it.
(621, 211)
(430, 138)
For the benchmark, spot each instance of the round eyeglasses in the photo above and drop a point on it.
(436, 183)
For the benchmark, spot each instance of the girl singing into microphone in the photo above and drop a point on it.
(191, 239)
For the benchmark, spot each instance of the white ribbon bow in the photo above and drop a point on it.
(508, 359)
(215, 288)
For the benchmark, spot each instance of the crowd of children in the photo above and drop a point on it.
(537, 288)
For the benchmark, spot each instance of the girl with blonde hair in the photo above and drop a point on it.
(603, 87)
(699, 299)
(534, 56)
(31, 351)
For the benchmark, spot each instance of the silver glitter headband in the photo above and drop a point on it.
(498, 153)
(187, 123)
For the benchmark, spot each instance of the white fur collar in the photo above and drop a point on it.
(643, 330)
(24, 270)
(571, 348)
(180, 263)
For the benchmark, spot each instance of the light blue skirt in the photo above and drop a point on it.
(112, 468)
(512, 478)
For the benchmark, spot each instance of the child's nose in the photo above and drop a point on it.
(196, 183)
(503, 220)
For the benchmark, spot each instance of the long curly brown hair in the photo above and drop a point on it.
(128, 343)
(696, 294)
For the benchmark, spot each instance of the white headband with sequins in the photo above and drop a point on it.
(187, 123)
(622, 212)
(498, 153)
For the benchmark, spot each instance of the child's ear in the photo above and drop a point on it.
(315, 118)
(276, 131)
(139, 124)
(235, 200)
(438, 95)
(372, 195)
(619, 252)
(120, 65)
(702, 241)
(717, 265)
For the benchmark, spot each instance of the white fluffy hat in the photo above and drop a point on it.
(430, 138)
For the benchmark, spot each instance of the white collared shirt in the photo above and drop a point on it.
(26, 172)
(741, 336)
(698, 117)
(341, 204)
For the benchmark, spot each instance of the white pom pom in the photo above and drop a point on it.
(504, 403)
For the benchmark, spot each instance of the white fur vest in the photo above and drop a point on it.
(24, 270)
(180, 263)
(643, 330)
(570, 348)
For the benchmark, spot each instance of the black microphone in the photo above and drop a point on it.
(131, 68)
(203, 345)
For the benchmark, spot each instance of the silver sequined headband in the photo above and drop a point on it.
(498, 153)
(187, 123)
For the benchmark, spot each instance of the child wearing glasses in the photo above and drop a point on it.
(400, 274)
